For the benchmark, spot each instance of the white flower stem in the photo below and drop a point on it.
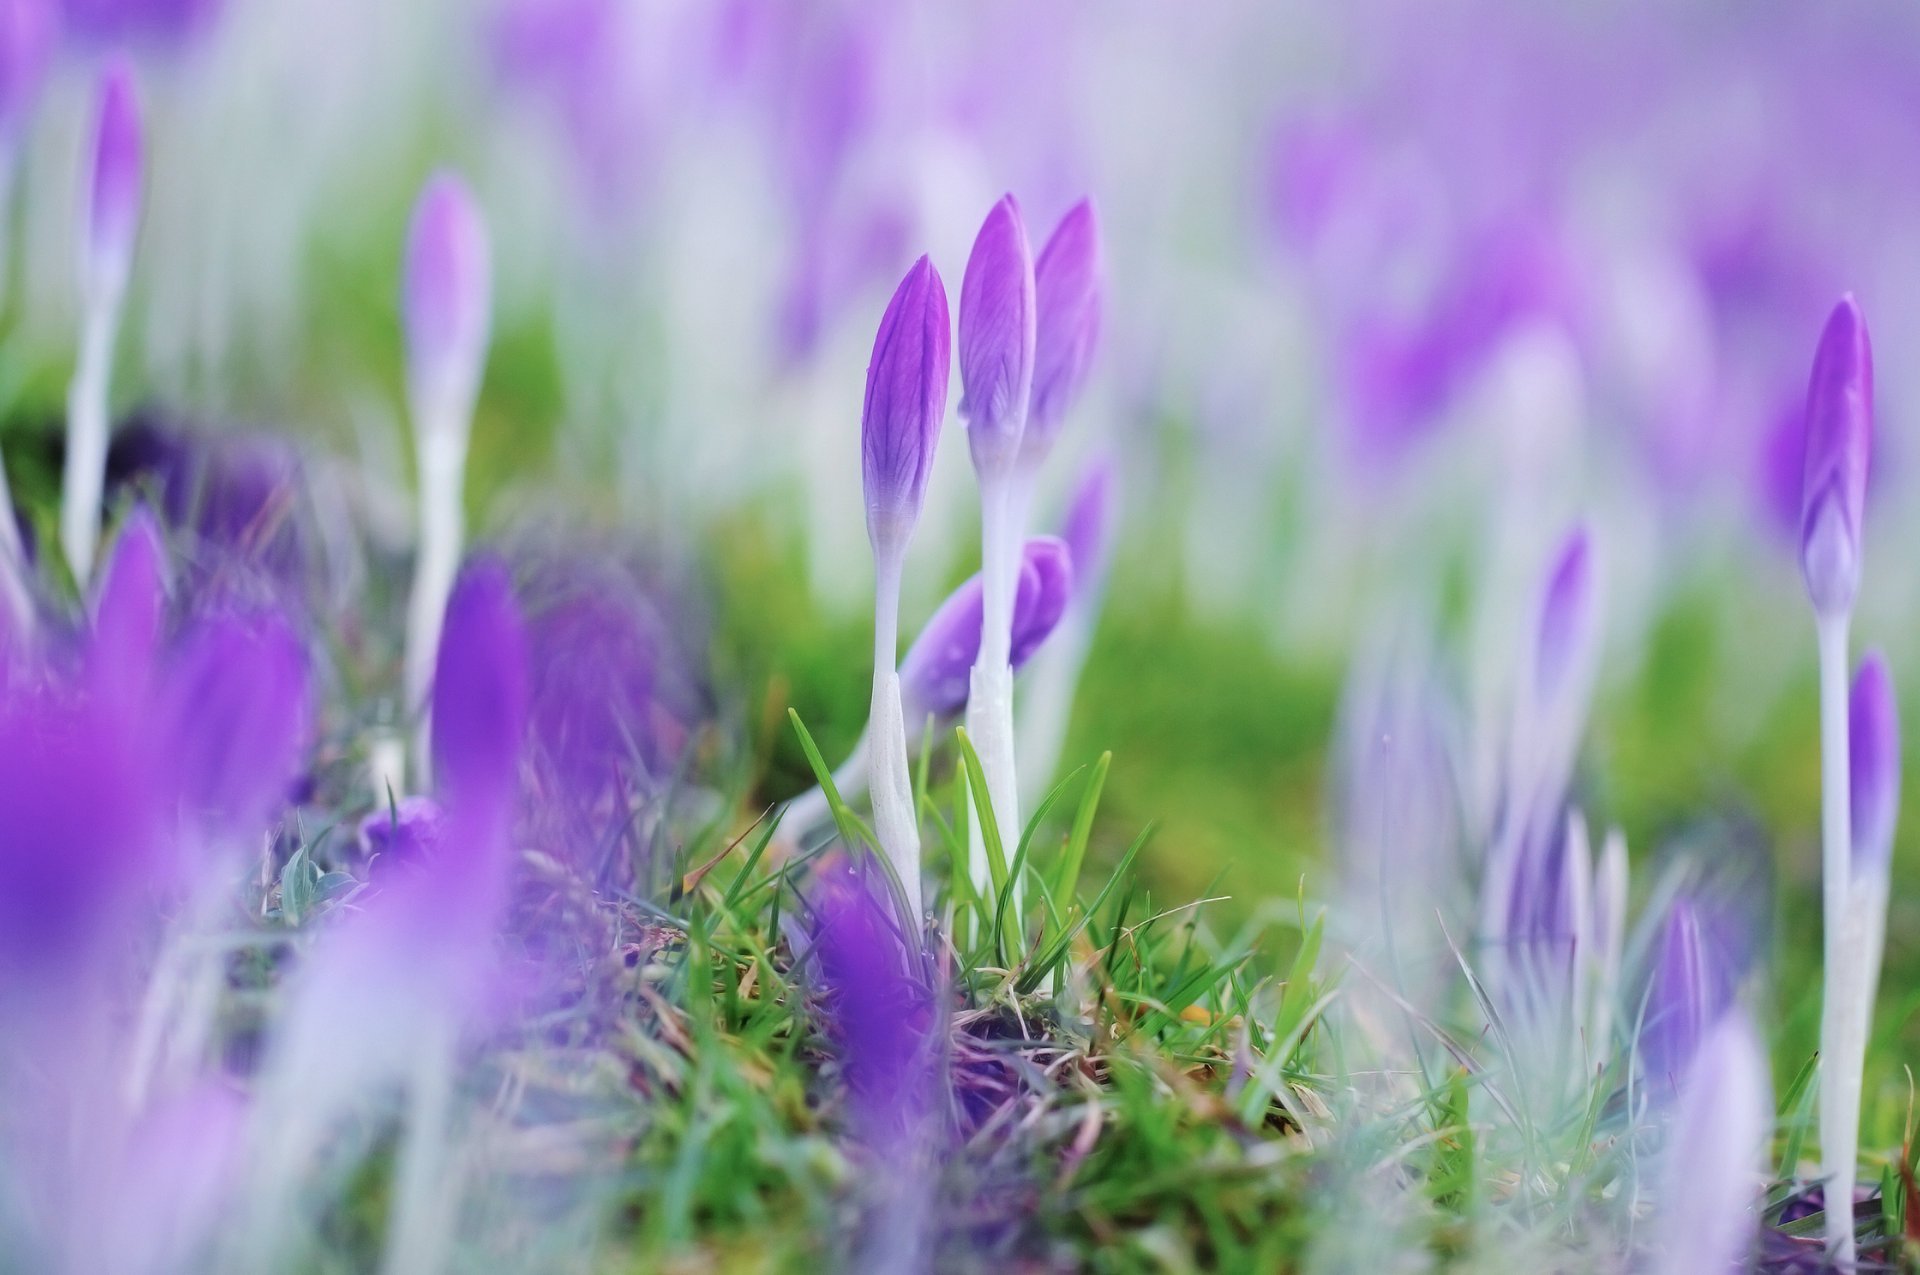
(14, 576)
(86, 469)
(893, 813)
(990, 693)
(443, 460)
(426, 1185)
(1839, 1079)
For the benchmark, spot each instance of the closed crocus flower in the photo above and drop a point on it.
(129, 608)
(997, 336)
(1689, 986)
(934, 675)
(447, 300)
(906, 401)
(115, 171)
(1710, 1186)
(1067, 297)
(1839, 443)
(1874, 752)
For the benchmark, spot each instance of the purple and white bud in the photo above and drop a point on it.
(906, 404)
(1839, 446)
(480, 692)
(934, 675)
(111, 202)
(26, 47)
(1874, 753)
(447, 298)
(1067, 298)
(129, 608)
(997, 336)
(1709, 1190)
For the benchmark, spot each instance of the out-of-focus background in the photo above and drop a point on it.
(1396, 294)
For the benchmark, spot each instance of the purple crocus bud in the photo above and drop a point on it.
(1066, 289)
(1711, 1180)
(26, 46)
(480, 691)
(114, 177)
(1874, 754)
(1839, 444)
(1089, 525)
(129, 608)
(1686, 993)
(934, 677)
(447, 300)
(1567, 617)
(235, 716)
(997, 335)
(905, 405)
(881, 1014)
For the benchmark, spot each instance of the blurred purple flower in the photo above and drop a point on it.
(234, 718)
(1839, 444)
(78, 801)
(997, 335)
(1690, 985)
(115, 175)
(236, 503)
(614, 696)
(1874, 757)
(448, 287)
(1402, 371)
(130, 610)
(934, 676)
(1709, 1190)
(1568, 614)
(578, 60)
(110, 23)
(480, 694)
(906, 404)
(26, 48)
(1067, 300)
(881, 1013)
(1088, 528)
(406, 832)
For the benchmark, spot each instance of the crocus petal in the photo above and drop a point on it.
(114, 179)
(1088, 527)
(1567, 616)
(997, 335)
(1874, 755)
(880, 1012)
(77, 803)
(1839, 443)
(934, 677)
(1045, 589)
(1067, 288)
(480, 690)
(905, 404)
(448, 287)
(129, 608)
(235, 719)
(1715, 1151)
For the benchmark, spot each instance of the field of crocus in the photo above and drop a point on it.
(683, 635)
